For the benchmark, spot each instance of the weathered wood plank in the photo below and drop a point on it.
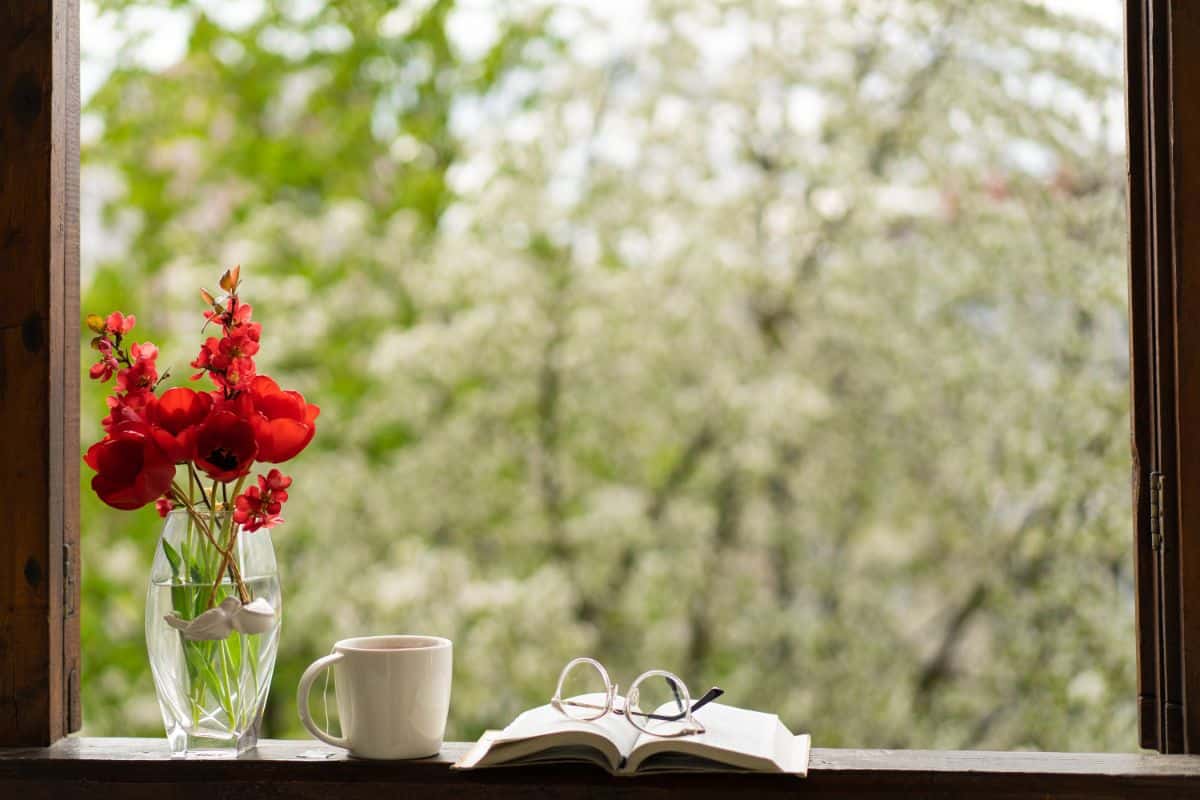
(132, 768)
(69, 307)
(39, 363)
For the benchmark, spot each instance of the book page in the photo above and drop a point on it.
(735, 737)
(546, 721)
(544, 728)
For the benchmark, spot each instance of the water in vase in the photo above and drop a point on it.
(211, 693)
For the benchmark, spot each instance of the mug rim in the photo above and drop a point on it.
(361, 644)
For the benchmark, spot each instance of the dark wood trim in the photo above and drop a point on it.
(1141, 354)
(1184, 32)
(94, 769)
(39, 369)
(1163, 104)
(1160, 266)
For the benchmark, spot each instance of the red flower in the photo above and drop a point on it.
(145, 351)
(233, 315)
(283, 422)
(277, 482)
(259, 506)
(103, 369)
(176, 417)
(240, 372)
(241, 314)
(131, 469)
(238, 343)
(142, 374)
(225, 446)
(119, 324)
(228, 360)
(125, 408)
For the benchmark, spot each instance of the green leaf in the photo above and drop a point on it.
(233, 646)
(198, 656)
(173, 559)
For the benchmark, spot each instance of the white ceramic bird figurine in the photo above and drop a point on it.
(229, 616)
(256, 616)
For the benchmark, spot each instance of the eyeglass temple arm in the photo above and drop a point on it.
(709, 696)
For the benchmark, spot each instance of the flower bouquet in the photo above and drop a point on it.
(213, 608)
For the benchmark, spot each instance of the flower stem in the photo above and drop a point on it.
(194, 476)
(227, 560)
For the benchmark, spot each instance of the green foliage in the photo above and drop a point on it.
(780, 347)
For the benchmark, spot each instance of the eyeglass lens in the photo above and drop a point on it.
(659, 704)
(583, 691)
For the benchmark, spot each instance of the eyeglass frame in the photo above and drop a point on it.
(692, 726)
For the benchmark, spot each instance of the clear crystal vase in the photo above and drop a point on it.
(212, 670)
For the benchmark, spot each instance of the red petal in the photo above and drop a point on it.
(92, 457)
(262, 385)
(115, 495)
(281, 439)
(120, 459)
(152, 483)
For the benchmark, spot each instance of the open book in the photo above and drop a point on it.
(736, 740)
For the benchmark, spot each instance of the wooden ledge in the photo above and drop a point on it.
(94, 769)
(135, 768)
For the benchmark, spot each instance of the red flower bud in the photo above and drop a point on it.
(163, 505)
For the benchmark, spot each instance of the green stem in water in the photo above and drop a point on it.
(227, 559)
(226, 690)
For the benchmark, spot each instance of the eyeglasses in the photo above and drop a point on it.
(669, 718)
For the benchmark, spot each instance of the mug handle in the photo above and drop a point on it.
(305, 688)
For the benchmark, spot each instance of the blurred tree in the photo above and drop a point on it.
(780, 346)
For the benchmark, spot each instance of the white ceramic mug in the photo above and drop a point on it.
(393, 695)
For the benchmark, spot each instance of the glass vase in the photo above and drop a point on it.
(212, 675)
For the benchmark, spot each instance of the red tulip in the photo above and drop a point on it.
(225, 446)
(176, 417)
(283, 422)
(131, 469)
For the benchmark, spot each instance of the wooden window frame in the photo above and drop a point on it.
(39, 480)
(1163, 115)
(39, 370)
